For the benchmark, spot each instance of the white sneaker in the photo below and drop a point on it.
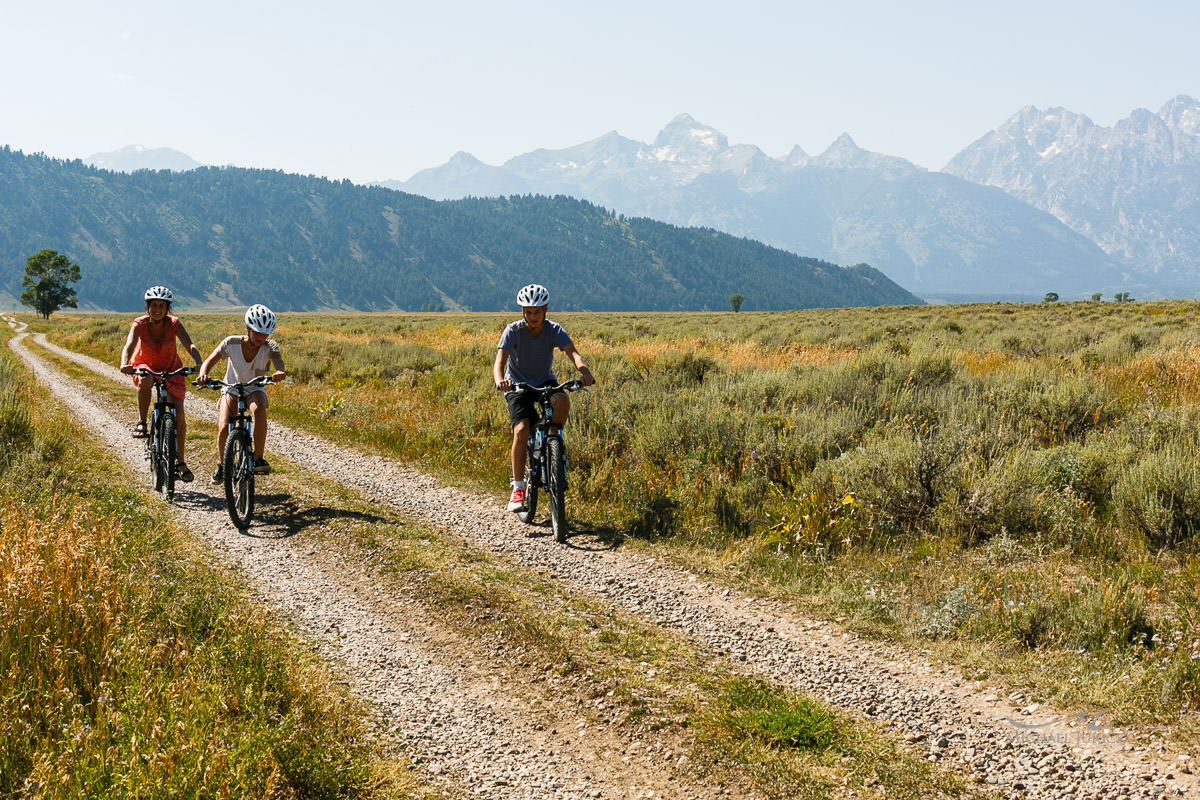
(517, 501)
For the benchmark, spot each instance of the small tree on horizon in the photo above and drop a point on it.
(735, 302)
(47, 275)
(1096, 296)
(1051, 297)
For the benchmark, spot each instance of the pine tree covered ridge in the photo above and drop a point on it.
(227, 236)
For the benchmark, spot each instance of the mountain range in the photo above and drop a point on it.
(1134, 188)
(135, 156)
(1082, 209)
(227, 237)
(1047, 201)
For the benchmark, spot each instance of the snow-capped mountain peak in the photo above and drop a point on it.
(686, 140)
(1182, 114)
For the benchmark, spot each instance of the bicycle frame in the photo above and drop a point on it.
(238, 457)
(160, 453)
(546, 461)
(545, 427)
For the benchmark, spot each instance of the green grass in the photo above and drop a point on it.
(796, 747)
(1022, 476)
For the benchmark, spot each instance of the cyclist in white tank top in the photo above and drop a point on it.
(248, 357)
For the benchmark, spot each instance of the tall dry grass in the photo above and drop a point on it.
(128, 667)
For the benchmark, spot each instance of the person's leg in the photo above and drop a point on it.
(561, 404)
(144, 387)
(225, 409)
(257, 406)
(519, 440)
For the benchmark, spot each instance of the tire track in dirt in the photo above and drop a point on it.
(1007, 743)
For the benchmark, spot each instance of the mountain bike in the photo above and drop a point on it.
(161, 442)
(237, 462)
(546, 463)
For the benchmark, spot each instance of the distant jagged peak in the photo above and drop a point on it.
(464, 159)
(797, 157)
(1039, 133)
(1182, 113)
(685, 139)
(843, 147)
(844, 153)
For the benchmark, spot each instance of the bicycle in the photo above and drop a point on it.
(161, 441)
(546, 464)
(237, 462)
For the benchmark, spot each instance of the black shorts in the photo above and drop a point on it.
(523, 405)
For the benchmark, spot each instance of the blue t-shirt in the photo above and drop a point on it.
(531, 358)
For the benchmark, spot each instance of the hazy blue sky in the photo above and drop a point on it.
(371, 90)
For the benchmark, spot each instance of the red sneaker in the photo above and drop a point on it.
(517, 501)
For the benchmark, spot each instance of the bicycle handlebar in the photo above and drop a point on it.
(146, 372)
(566, 386)
(215, 383)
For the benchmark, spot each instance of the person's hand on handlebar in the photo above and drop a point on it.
(127, 369)
(278, 375)
(505, 385)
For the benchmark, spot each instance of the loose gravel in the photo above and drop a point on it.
(468, 733)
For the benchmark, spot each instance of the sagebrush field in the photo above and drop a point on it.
(1013, 485)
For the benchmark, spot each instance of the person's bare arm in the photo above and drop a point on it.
(277, 359)
(498, 370)
(208, 364)
(182, 335)
(127, 350)
(580, 364)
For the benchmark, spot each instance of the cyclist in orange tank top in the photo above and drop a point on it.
(152, 344)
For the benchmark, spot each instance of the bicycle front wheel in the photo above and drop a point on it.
(556, 487)
(239, 478)
(154, 455)
(167, 454)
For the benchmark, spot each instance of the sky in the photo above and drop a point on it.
(370, 90)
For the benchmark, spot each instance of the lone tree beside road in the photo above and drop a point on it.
(47, 275)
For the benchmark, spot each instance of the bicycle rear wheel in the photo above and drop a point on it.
(556, 487)
(167, 452)
(239, 478)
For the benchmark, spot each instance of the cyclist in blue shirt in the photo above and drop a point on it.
(526, 355)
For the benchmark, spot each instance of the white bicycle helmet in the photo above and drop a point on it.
(158, 293)
(533, 295)
(260, 318)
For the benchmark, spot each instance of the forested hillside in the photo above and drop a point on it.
(228, 236)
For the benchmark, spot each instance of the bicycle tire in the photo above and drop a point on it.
(153, 455)
(556, 487)
(531, 494)
(168, 454)
(239, 478)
